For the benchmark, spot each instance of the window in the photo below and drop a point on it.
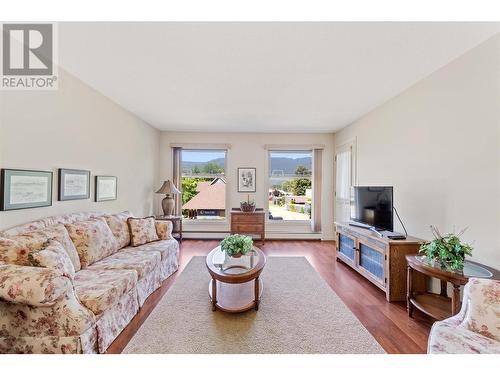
(203, 177)
(290, 185)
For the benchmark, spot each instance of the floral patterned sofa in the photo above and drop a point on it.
(476, 328)
(71, 283)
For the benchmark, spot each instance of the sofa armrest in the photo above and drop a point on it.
(34, 286)
(164, 229)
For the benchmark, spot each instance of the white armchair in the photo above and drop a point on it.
(476, 328)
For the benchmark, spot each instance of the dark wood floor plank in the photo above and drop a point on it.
(387, 322)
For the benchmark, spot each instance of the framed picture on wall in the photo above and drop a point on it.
(25, 189)
(246, 180)
(106, 188)
(73, 184)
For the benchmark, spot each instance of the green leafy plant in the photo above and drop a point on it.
(236, 244)
(446, 250)
(248, 205)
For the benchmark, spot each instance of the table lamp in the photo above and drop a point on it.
(167, 204)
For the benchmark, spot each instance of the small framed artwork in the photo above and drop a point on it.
(73, 184)
(246, 180)
(25, 189)
(105, 188)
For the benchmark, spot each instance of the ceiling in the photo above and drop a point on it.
(259, 77)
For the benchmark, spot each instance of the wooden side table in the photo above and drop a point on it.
(176, 224)
(438, 305)
(249, 223)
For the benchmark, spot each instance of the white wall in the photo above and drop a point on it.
(247, 150)
(438, 143)
(76, 127)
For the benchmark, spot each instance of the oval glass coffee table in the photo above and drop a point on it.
(235, 285)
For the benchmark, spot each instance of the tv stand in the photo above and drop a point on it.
(379, 259)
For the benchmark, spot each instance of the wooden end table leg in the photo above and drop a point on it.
(455, 299)
(180, 230)
(214, 295)
(444, 288)
(256, 291)
(409, 291)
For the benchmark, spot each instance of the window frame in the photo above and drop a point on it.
(268, 185)
(223, 221)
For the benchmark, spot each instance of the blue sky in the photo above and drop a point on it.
(201, 156)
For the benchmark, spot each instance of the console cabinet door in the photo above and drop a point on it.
(346, 248)
(371, 262)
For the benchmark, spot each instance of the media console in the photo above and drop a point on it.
(379, 259)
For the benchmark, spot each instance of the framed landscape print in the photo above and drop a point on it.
(25, 189)
(73, 184)
(246, 180)
(105, 188)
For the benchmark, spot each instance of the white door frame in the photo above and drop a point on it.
(350, 144)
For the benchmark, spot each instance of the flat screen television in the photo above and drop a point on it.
(372, 206)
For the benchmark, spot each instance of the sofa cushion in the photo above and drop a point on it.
(27, 242)
(130, 259)
(55, 257)
(483, 310)
(164, 247)
(163, 229)
(142, 230)
(100, 289)
(93, 240)
(447, 338)
(118, 225)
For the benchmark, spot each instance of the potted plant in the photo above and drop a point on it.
(236, 245)
(248, 205)
(446, 251)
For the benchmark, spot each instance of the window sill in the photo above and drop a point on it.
(205, 222)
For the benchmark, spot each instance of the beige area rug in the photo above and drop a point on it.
(299, 313)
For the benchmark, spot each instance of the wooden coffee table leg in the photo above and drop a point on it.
(214, 295)
(256, 290)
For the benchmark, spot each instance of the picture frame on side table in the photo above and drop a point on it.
(247, 180)
(106, 188)
(22, 189)
(73, 184)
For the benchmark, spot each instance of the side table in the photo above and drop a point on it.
(440, 306)
(176, 224)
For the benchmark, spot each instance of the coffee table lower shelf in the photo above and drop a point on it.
(432, 304)
(235, 298)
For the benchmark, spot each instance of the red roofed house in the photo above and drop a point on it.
(210, 201)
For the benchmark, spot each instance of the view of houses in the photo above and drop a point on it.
(204, 185)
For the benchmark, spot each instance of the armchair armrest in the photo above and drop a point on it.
(481, 307)
(34, 286)
(164, 229)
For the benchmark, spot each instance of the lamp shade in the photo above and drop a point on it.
(168, 188)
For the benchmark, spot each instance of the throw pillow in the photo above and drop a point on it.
(142, 230)
(36, 239)
(118, 225)
(163, 229)
(93, 240)
(55, 257)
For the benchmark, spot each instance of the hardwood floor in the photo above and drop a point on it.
(387, 322)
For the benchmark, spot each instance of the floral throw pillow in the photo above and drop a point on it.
(93, 240)
(55, 257)
(14, 252)
(142, 230)
(163, 229)
(37, 239)
(16, 248)
(118, 225)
